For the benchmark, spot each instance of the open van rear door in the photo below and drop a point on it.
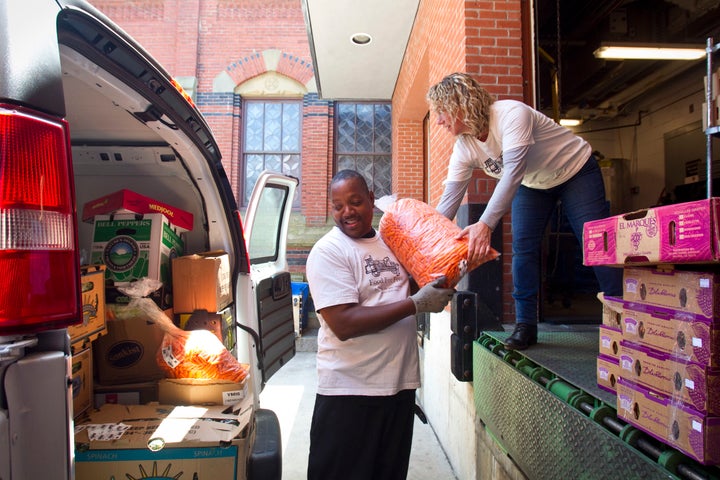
(266, 228)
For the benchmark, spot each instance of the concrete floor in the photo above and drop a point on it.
(291, 394)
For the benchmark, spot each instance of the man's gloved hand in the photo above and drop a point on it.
(432, 297)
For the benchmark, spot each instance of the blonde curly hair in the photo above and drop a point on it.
(460, 96)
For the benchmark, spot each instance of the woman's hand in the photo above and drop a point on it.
(478, 241)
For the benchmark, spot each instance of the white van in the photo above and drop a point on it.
(84, 112)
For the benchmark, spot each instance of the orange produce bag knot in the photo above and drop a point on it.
(424, 242)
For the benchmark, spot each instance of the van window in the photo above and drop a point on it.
(264, 242)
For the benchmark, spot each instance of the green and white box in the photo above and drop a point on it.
(133, 247)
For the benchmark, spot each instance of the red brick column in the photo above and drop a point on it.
(483, 38)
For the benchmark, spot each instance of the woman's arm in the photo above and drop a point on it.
(452, 198)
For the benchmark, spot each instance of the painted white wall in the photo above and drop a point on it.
(638, 135)
(447, 402)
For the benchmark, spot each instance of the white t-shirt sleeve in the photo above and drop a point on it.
(451, 198)
(515, 126)
(462, 163)
(329, 290)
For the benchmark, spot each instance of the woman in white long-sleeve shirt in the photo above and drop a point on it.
(537, 162)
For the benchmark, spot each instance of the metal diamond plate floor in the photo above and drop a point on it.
(568, 351)
(564, 428)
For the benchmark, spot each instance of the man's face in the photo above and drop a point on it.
(352, 207)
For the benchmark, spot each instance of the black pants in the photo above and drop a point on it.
(361, 438)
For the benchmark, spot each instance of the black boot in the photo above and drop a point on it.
(524, 335)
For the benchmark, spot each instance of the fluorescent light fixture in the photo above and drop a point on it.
(570, 122)
(657, 51)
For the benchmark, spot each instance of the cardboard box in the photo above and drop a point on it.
(692, 291)
(224, 320)
(685, 335)
(130, 441)
(201, 282)
(128, 352)
(133, 248)
(197, 391)
(691, 383)
(82, 381)
(126, 394)
(674, 424)
(680, 233)
(608, 372)
(92, 287)
(611, 310)
(127, 201)
(609, 341)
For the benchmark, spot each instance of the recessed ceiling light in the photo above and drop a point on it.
(361, 39)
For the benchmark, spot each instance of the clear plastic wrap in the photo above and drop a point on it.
(185, 354)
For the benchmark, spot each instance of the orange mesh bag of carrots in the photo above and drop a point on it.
(190, 354)
(424, 242)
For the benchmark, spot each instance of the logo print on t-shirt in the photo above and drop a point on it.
(494, 166)
(376, 267)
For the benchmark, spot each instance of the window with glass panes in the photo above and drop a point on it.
(364, 143)
(272, 140)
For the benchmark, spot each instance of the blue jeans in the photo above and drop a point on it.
(583, 199)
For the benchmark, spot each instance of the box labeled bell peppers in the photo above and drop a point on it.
(680, 233)
(673, 423)
(688, 382)
(133, 248)
(164, 441)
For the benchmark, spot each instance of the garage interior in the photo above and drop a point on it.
(572, 83)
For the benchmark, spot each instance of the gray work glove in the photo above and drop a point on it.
(432, 298)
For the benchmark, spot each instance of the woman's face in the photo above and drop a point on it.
(453, 123)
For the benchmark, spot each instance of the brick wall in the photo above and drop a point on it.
(211, 39)
(229, 39)
(478, 37)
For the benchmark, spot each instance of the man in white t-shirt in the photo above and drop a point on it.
(538, 163)
(367, 360)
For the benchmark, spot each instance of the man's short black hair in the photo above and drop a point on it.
(348, 174)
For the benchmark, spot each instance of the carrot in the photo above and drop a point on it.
(424, 242)
(198, 354)
(188, 354)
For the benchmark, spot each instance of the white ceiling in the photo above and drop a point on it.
(346, 71)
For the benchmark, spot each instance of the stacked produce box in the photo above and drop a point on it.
(153, 315)
(659, 347)
(139, 239)
(82, 335)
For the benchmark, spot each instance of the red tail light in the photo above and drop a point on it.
(39, 263)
